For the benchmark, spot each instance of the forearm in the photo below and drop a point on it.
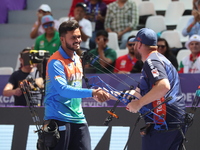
(157, 92)
(34, 32)
(109, 30)
(84, 37)
(72, 92)
(8, 92)
(135, 93)
(190, 27)
(104, 61)
(126, 30)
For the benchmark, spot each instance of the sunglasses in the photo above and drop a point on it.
(48, 25)
(132, 44)
(162, 46)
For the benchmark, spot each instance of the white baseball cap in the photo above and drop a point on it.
(194, 37)
(45, 7)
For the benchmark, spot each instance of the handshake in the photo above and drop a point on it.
(100, 95)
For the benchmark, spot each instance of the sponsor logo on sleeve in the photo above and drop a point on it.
(155, 72)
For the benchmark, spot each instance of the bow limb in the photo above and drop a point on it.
(125, 97)
(97, 82)
(114, 94)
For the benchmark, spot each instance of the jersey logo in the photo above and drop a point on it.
(155, 72)
(57, 77)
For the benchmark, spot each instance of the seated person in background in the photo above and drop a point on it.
(85, 24)
(12, 88)
(163, 48)
(128, 63)
(37, 29)
(193, 26)
(74, 2)
(102, 57)
(73, 6)
(96, 12)
(121, 17)
(50, 40)
(191, 63)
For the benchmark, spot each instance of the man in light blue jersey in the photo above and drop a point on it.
(64, 91)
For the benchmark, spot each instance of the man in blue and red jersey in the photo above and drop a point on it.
(159, 80)
(64, 91)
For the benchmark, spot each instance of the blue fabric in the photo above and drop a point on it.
(146, 36)
(195, 29)
(166, 70)
(63, 97)
(156, 140)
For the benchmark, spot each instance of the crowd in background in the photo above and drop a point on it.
(96, 19)
(99, 15)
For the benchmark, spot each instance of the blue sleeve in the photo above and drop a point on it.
(155, 71)
(58, 78)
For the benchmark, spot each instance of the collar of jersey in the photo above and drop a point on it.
(64, 54)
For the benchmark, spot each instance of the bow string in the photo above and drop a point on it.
(121, 96)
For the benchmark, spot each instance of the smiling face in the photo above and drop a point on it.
(79, 13)
(71, 40)
(194, 46)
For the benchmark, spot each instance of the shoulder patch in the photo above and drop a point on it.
(155, 72)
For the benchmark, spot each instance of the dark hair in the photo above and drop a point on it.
(167, 45)
(83, 5)
(102, 32)
(69, 25)
(27, 49)
(132, 36)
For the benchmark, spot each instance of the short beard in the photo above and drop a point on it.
(132, 52)
(70, 47)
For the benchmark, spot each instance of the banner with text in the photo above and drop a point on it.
(189, 85)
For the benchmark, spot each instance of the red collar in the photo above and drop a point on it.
(191, 57)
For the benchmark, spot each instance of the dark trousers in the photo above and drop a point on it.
(169, 140)
(74, 137)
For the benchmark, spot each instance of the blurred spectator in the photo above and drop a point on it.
(128, 63)
(195, 4)
(102, 56)
(12, 88)
(163, 48)
(121, 17)
(193, 26)
(85, 24)
(37, 29)
(74, 2)
(191, 63)
(96, 12)
(50, 40)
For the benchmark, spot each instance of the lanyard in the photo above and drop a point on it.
(96, 8)
(129, 57)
